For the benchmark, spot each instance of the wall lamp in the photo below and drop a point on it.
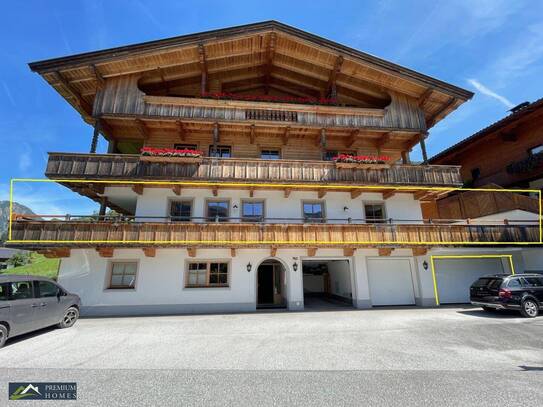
(295, 266)
(249, 267)
(425, 265)
(345, 208)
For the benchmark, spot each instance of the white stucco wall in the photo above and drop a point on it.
(340, 278)
(155, 202)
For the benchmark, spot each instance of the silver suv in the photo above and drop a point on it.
(28, 303)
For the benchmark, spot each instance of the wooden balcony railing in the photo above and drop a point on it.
(119, 166)
(43, 234)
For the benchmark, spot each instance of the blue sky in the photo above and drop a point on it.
(492, 47)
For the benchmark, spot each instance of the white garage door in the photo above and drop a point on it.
(390, 282)
(455, 276)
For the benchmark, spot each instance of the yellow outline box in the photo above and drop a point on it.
(268, 185)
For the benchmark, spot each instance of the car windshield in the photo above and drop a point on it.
(489, 282)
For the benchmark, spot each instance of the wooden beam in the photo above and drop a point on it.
(270, 53)
(105, 251)
(149, 251)
(216, 134)
(140, 126)
(232, 252)
(138, 189)
(355, 193)
(433, 119)
(385, 138)
(331, 89)
(191, 251)
(181, 130)
(321, 142)
(421, 194)
(287, 192)
(203, 69)
(424, 97)
(97, 188)
(74, 93)
(321, 193)
(352, 139)
(311, 251)
(97, 76)
(405, 157)
(385, 251)
(176, 189)
(423, 150)
(253, 135)
(389, 193)
(349, 251)
(62, 252)
(286, 134)
(419, 251)
(273, 251)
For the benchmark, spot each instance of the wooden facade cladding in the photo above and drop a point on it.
(475, 204)
(129, 167)
(43, 234)
(120, 96)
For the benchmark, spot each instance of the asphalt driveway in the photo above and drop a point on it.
(405, 356)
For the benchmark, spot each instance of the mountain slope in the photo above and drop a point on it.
(4, 216)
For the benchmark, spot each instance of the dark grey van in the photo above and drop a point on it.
(28, 303)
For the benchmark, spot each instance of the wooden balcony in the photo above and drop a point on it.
(129, 167)
(36, 234)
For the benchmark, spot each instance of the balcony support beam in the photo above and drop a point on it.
(149, 251)
(191, 251)
(105, 251)
(203, 70)
(385, 251)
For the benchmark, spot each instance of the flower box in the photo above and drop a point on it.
(362, 166)
(168, 155)
(362, 162)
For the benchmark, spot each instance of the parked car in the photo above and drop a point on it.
(28, 303)
(520, 292)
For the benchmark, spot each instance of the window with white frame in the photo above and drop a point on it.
(123, 275)
(374, 212)
(207, 274)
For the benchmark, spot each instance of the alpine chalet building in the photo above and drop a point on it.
(253, 167)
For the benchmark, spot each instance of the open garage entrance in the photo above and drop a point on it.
(455, 275)
(271, 285)
(327, 284)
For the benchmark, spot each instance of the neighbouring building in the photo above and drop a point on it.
(262, 203)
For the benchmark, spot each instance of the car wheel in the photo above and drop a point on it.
(70, 316)
(3, 335)
(529, 308)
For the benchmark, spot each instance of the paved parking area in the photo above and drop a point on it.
(404, 356)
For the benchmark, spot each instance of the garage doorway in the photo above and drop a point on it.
(390, 281)
(327, 284)
(454, 275)
(271, 285)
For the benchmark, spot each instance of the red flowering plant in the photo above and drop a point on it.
(361, 159)
(170, 152)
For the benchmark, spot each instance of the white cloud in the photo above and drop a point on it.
(489, 92)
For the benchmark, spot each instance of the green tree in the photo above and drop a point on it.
(19, 259)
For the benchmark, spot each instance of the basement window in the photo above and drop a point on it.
(207, 274)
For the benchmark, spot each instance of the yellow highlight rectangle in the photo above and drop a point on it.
(466, 256)
(269, 185)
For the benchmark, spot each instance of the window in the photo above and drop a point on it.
(220, 151)
(270, 154)
(252, 211)
(313, 211)
(123, 275)
(475, 173)
(21, 290)
(47, 289)
(207, 274)
(185, 146)
(217, 210)
(181, 211)
(536, 150)
(533, 281)
(374, 212)
(3, 292)
(331, 154)
(514, 283)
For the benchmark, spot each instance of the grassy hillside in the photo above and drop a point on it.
(39, 266)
